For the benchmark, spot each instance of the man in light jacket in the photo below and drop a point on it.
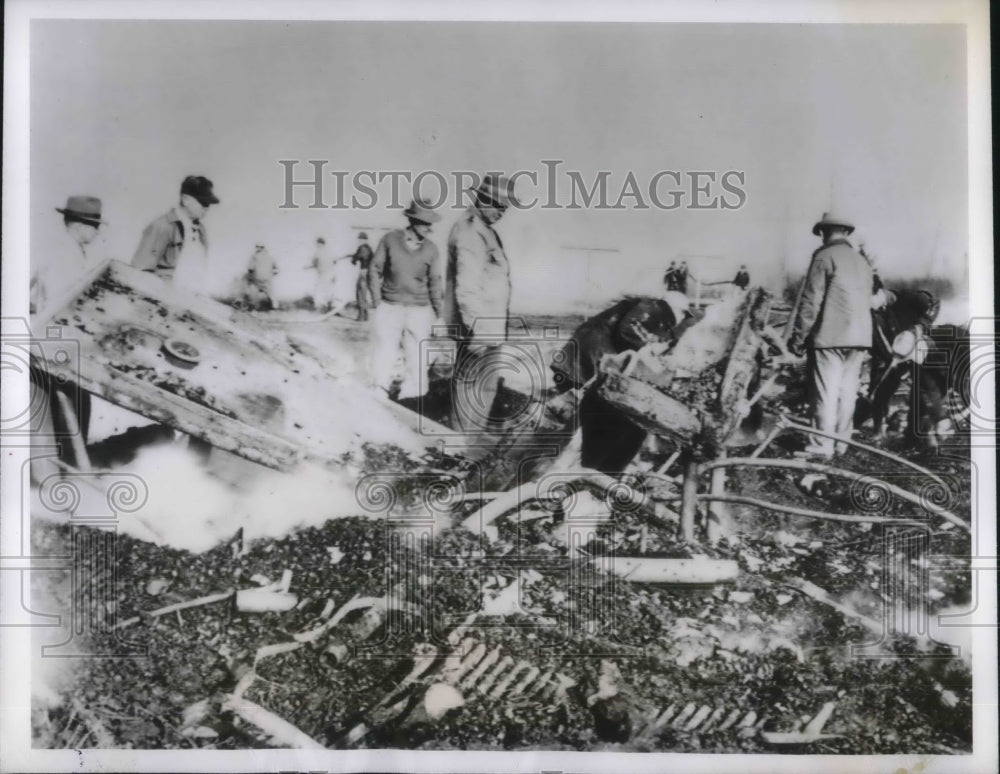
(179, 233)
(834, 324)
(477, 304)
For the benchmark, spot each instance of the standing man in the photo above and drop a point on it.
(322, 291)
(742, 279)
(362, 258)
(175, 245)
(682, 277)
(258, 292)
(405, 284)
(477, 303)
(81, 220)
(834, 324)
(670, 277)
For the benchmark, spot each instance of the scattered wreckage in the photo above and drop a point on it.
(590, 540)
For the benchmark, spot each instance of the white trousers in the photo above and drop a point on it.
(396, 326)
(836, 378)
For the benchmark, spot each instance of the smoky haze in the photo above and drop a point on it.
(870, 120)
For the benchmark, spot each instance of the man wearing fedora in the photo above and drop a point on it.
(406, 289)
(477, 303)
(82, 220)
(179, 234)
(362, 258)
(834, 324)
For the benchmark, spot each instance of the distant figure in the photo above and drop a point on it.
(742, 278)
(834, 323)
(407, 289)
(257, 285)
(322, 283)
(477, 304)
(611, 439)
(670, 279)
(175, 245)
(682, 278)
(362, 258)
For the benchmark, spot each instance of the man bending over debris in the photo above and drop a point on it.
(610, 439)
(406, 289)
(904, 311)
(834, 323)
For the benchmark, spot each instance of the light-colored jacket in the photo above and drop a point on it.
(161, 244)
(835, 310)
(477, 280)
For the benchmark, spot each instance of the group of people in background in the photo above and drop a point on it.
(844, 311)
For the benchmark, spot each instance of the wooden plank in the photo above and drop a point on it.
(650, 408)
(743, 363)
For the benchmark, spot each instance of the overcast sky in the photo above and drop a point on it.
(870, 119)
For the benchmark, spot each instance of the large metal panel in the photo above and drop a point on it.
(243, 387)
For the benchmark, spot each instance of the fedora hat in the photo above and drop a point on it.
(84, 208)
(362, 235)
(830, 220)
(419, 210)
(497, 189)
(200, 188)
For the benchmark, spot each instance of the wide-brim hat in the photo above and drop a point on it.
(497, 189)
(200, 188)
(85, 208)
(420, 211)
(829, 220)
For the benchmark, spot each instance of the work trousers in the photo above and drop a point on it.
(836, 376)
(363, 296)
(396, 326)
(475, 383)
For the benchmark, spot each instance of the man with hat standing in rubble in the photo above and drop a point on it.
(82, 221)
(833, 324)
(179, 234)
(405, 283)
(362, 258)
(477, 304)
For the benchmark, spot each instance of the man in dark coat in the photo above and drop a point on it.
(362, 258)
(904, 310)
(742, 279)
(610, 439)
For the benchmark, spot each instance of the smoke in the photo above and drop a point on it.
(190, 508)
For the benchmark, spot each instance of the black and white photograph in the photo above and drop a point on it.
(463, 388)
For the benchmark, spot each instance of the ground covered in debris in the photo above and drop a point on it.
(556, 654)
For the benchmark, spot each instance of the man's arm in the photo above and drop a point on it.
(812, 299)
(151, 247)
(435, 284)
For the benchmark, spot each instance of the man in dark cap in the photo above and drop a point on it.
(362, 258)
(179, 233)
(477, 304)
(834, 323)
(610, 439)
(904, 310)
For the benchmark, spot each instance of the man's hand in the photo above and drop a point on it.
(796, 346)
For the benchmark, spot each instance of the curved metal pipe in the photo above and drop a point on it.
(792, 511)
(829, 470)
